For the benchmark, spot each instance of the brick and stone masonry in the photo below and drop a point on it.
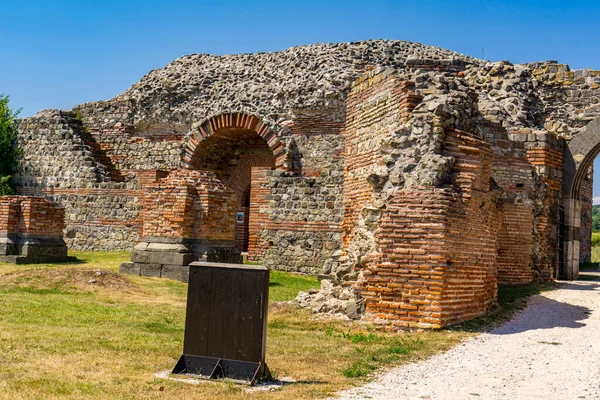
(344, 160)
(187, 216)
(31, 231)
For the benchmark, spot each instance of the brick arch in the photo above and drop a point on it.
(578, 156)
(250, 122)
(240, 179)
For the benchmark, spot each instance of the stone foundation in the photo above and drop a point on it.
(170, 257)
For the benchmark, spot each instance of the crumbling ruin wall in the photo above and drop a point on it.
(422, 217)
(105, 153)
(515, 175)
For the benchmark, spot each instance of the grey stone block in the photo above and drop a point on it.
(175, 272)
(129, 268)
(167, 247)
(140, 256)
(170, 258)
(152, 270)
(185, 273)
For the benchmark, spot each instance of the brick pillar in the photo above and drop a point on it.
(258, 217)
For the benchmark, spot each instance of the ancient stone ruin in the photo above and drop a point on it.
(412, 179)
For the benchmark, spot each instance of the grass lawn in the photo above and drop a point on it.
(81, 330)
(596, 254)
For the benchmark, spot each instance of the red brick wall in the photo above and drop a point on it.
(189, 204)
(437, 261)
(258, 219)
(545, 153)
(374, 105)
(9, 214)
(514, 174)
(434, 261)
(514, 242)
(31, 215)
(104, 216)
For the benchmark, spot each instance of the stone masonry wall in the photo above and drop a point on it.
(405, 228)
(587, 198)
(66, 161)
(514, 174)
(103, 216)
(299, 227)
(100, 214)
(545, 153)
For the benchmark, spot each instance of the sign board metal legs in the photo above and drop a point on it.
(226, 322)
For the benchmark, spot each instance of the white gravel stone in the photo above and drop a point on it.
(548, 351)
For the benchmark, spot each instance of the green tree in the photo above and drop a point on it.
(8, 152)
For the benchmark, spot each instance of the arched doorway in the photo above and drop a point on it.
(578, 157)
(240, 149)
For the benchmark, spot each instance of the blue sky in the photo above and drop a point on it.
(56, 54)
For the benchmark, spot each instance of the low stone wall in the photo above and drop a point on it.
(99, 217)
(31, 230)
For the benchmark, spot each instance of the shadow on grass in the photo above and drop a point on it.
(75, 261)
(589, 266)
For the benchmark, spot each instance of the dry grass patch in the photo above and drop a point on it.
(63, 337)
(70, 279)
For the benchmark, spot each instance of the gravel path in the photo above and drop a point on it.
(551, 350)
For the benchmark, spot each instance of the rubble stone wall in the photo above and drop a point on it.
(436, 259)
(102, 217)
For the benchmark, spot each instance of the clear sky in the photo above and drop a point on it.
(59, 53)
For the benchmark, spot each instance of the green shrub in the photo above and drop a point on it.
(8, 153)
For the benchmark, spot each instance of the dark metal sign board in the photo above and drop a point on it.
(226, 322)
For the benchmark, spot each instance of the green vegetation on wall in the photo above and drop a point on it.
(8, 153)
